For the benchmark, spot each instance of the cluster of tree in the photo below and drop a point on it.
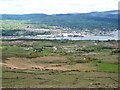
(38, 49)
(22, 32)
(9, 32)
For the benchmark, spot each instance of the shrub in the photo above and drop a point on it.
(116, 51)
(99, 61)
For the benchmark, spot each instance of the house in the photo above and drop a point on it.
(54, 49)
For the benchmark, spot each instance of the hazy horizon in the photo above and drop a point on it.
(59, 13)
(56, 6)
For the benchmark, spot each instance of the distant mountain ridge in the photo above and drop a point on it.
(106, 19)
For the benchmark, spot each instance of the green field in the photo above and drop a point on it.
(47, 79)
(20, 25)
(108, 67)
(74, 64)
(12, 25)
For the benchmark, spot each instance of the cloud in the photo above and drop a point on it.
(56, 6)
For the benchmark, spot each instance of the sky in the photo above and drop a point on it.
(56, 6)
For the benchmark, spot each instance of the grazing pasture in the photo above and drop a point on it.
(73, 64)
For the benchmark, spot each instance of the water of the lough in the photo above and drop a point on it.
(114, 36)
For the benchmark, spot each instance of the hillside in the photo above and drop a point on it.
(100, 20)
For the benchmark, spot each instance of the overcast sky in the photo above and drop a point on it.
(56, 6)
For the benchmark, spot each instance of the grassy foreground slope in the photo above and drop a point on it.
(75, 64)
